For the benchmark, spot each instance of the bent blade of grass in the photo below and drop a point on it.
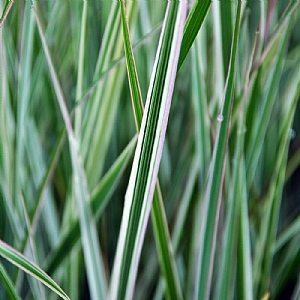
(8, 284)
(38, 290)
(148, 153)
(161, 231)
(90, 243)
(29, 267)
(36, 210)
(214, 187)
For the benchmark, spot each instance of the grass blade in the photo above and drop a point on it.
(162, 235)
(213, 193)
(244, 265)
(262, 120)
(135, 90)
(90, 243)
(148, 153)
(23, 263)
(192, 26)
(268, 233)
(202, 136)
(8, 284)
(101, 111)
(23, 101)
(217, 196)
(99, 200)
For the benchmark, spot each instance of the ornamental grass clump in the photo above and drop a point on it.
(149, 150)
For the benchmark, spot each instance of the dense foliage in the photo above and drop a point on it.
(96, 96)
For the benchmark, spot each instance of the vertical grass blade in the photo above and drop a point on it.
(23, 100)
(202, 134)
(226, 8)
(244, 264)
(164, 247)
(162, 235)
(148, 153)
(230, 233)
(214, 188)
